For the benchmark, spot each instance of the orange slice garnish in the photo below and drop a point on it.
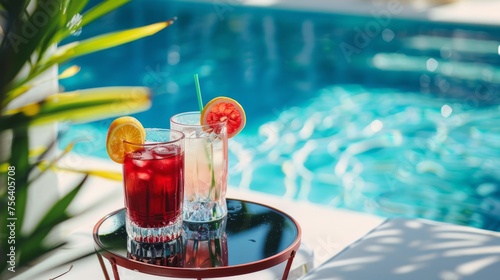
(123, 129)
(224, 109)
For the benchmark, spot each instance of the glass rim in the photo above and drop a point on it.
(172, 120)
(148, 144)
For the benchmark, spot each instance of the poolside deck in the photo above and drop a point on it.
(343, 227)
(343, 241)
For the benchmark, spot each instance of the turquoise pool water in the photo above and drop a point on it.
(375, 114)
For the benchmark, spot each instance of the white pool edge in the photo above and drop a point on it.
(449, 11)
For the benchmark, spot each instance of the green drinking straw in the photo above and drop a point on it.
(200, 104)
(198, 91)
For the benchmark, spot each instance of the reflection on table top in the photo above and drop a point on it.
(254, 232)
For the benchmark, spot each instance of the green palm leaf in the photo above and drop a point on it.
(23, 57)
(54, 216)
(75, 7)
(91, 45)
(79, 106)
(102, 42)
(22, 39)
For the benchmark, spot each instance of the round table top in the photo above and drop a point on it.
(258, 237)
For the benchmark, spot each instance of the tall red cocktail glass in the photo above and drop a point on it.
(153, 175)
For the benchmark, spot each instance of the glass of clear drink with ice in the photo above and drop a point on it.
(206, 166)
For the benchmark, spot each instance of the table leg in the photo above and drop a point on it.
(288, 265)
(103, 266)
(115, 268)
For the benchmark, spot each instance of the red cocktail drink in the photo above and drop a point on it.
(154, 186)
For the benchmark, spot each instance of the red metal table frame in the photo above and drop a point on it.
(198, 273)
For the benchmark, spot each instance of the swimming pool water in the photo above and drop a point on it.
(392, 117)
